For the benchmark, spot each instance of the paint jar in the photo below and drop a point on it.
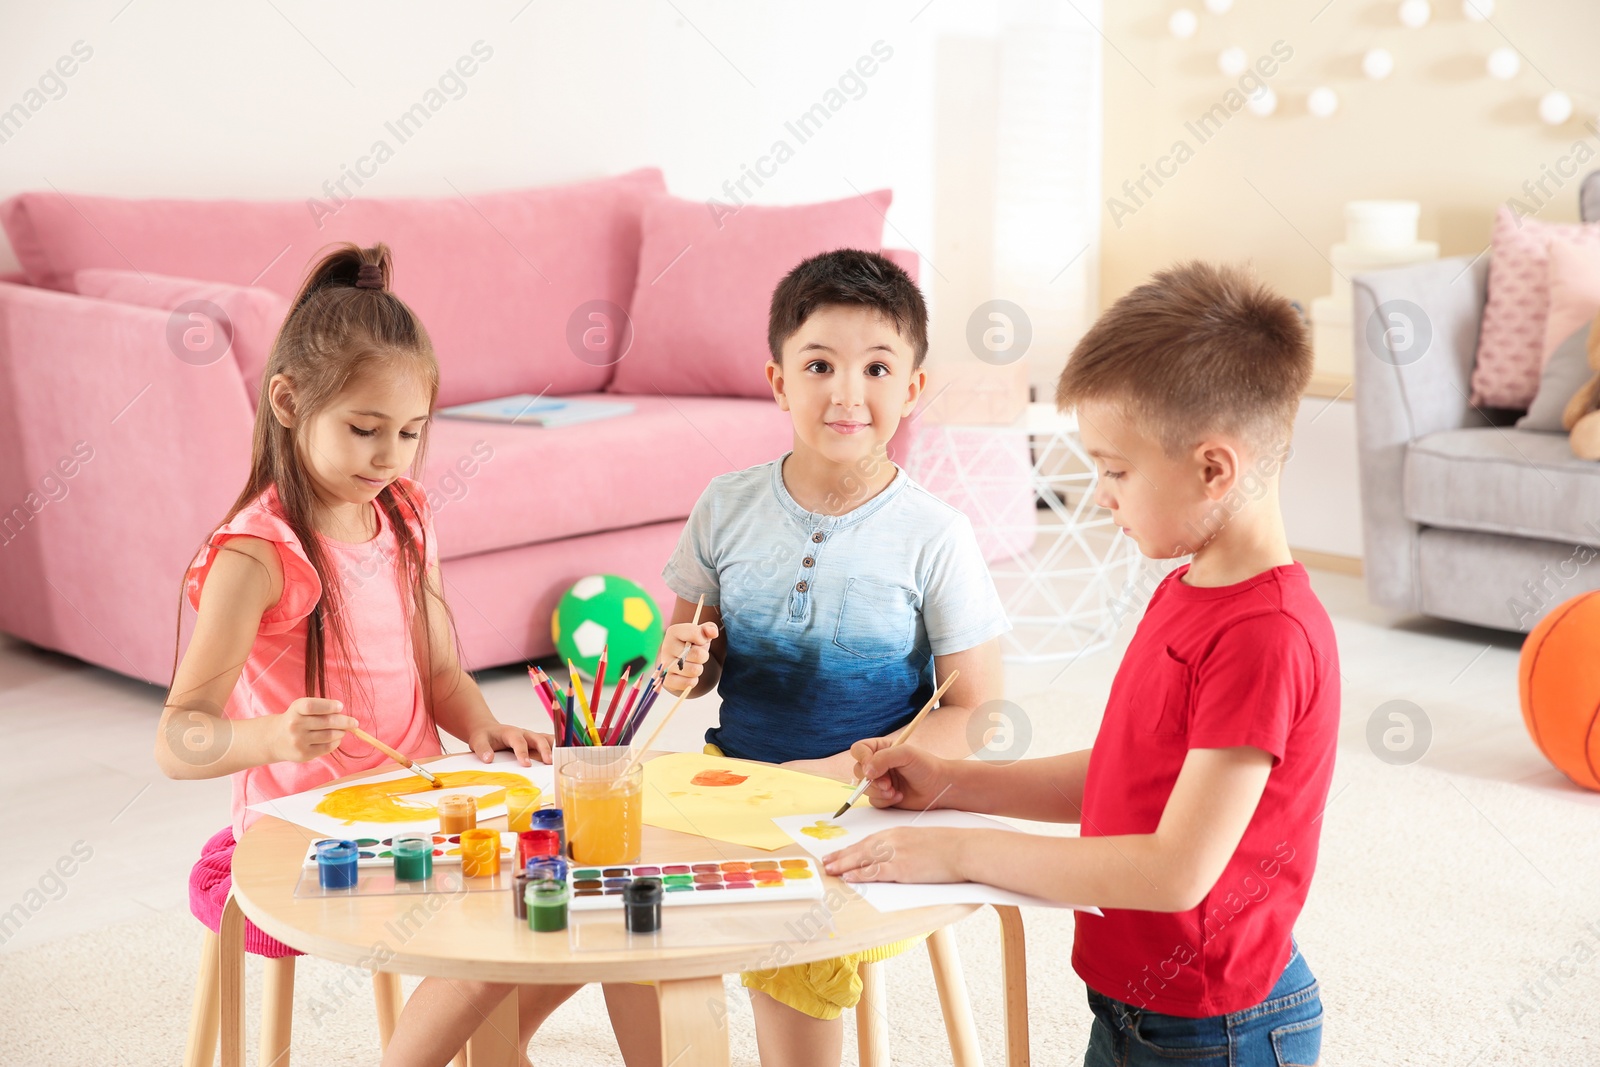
(537, 844)
(602, 801)
(521, 802)
(336, 864)
(480, 853)
(641, 905)
(519, 895)
(457, 812)
(550, 819)
(547, 905)
(547, 870)
(413, 857)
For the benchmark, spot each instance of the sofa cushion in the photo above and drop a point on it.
(706, 277)
(1565, 372)
(497, 278)
(251, 315)
(494, 485)
(1503, 481)
(1511, 338)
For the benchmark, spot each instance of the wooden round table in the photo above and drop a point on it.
(474, 936)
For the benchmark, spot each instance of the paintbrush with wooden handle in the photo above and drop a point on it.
(404, 761)
(905, 735)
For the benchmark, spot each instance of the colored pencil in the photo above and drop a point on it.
(595, 699)
(645, 710)
(611, 711)
(583, 702)
(902, 738)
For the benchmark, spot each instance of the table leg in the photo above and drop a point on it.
(1014, 961)
(494, 1043)
(694, 1022)
(230, 982)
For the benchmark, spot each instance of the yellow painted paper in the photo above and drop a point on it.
(380, 801)
(733, 800)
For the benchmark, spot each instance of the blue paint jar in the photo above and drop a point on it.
(336, 864)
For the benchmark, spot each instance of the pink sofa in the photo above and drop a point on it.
(120, 447)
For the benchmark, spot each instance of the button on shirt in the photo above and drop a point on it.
(831, 621)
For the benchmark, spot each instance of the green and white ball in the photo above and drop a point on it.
(604, 610)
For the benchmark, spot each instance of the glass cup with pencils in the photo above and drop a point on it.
(601, 791)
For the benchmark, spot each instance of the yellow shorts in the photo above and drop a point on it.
(823, 989)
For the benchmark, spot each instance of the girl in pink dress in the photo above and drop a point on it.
(318, 597)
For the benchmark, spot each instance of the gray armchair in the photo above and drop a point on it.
(1464, 516)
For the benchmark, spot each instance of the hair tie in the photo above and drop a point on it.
(370, 276)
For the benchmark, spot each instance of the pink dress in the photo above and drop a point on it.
(378, 682)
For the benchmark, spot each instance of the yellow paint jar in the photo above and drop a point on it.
(480, 853)
(521, 803)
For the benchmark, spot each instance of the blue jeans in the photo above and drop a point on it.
(1284, 1030)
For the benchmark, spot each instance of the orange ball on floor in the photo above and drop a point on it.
(1559, 683)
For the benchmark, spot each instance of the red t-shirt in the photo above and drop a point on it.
(1248, 664)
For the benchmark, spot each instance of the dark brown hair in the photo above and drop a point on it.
(337, 331)
(1197, 349)
(848, 276)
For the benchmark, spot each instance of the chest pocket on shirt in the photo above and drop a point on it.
(875, 620)
(1162, 698)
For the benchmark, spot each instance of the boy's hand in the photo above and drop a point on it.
(691, 642)
(904, 854)
(524, 743)
(902, 776)
(308, 728)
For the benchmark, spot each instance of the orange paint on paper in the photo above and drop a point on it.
(823, 830)
(384, 801)
(718, 778)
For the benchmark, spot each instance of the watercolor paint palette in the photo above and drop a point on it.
(596, 888)
(374, 851)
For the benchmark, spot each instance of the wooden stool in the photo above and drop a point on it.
(223, 955)
(872, 1022)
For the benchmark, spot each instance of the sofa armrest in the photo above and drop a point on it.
(116, 458)
(1419, 386)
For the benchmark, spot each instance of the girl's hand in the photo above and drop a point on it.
(693, 643)
(902, 776)
(485, 739)
(904, 854)
(308, 728)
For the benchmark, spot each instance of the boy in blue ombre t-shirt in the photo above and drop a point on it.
(834, 585)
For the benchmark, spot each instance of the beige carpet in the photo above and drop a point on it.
(1432, 925)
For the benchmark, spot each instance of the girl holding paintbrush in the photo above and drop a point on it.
(834, 588)
(319, 606)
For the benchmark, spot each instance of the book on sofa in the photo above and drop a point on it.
(538, 410)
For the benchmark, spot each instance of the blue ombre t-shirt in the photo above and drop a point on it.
(832, 621)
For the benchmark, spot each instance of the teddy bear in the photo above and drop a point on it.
(1581, 419)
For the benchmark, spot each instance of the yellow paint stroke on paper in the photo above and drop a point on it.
(823, 830)
(741, 808)
(383, 801)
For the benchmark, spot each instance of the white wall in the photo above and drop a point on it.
(274, 99)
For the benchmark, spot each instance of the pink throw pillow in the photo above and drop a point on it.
(706, 277)
(1574, 291)
(251, 316)
(1511, 340)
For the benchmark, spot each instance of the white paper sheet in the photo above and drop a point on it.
(301, 807)
(863, 821)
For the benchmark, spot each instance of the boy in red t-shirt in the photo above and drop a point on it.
(1200, 803)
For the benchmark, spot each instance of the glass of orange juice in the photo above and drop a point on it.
(602, 802)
